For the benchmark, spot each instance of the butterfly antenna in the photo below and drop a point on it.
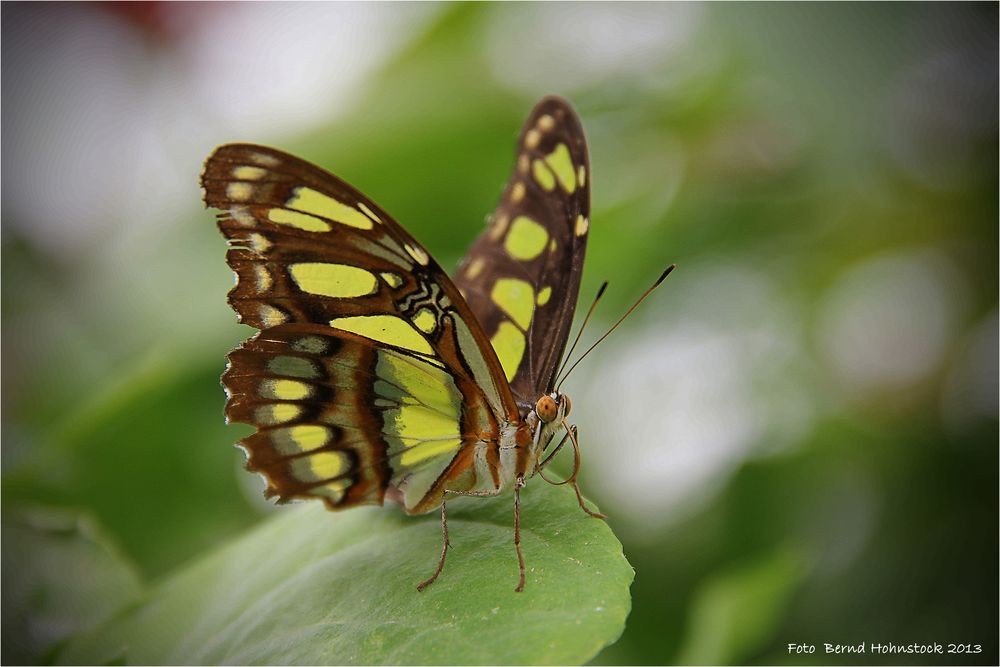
(600, 293)
(583, 356)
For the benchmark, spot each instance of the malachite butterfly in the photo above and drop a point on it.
(375, 375)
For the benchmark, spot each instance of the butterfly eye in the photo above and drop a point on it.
(546, 408)
(568, 403)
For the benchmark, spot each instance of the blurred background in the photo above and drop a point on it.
(795, 437)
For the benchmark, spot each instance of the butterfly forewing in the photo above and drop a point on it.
(395, 379)
(522, 275)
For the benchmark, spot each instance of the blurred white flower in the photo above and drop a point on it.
(709, 381)
(111, 132)
(533, 46)
(889, 321)
(286, 67)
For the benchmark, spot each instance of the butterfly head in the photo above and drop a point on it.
(552, 407)
(547, 417)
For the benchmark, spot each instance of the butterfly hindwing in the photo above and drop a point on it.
(521, 277)
(317, 262)
(302, 391)
(343, 419)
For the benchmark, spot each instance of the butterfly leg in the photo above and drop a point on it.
(571, 433)
(444, 549)
(444, 532)
(517, 531)
(518, 484)
(548, 458)
(576, 469)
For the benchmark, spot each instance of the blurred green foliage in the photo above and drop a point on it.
(60, 577)
(794, 143)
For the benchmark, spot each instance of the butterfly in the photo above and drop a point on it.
(374, 375)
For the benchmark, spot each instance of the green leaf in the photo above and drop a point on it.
(312, 587)
(60, 575)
